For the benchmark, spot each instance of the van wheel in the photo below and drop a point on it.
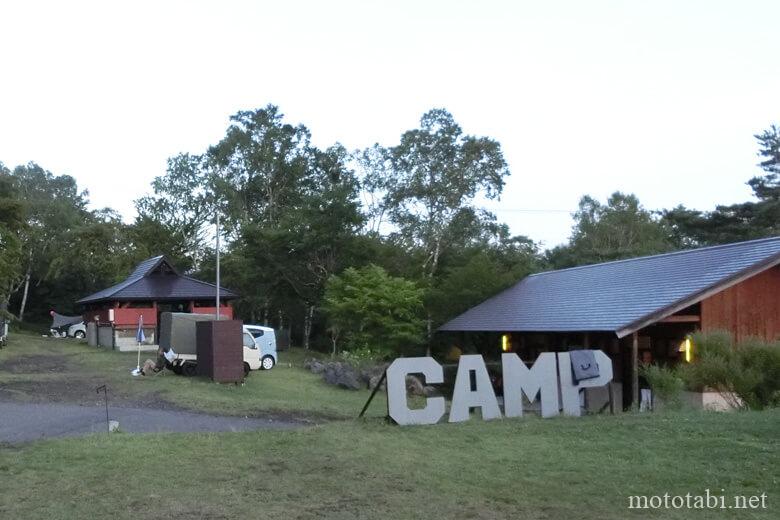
(189, 369)
(246, 369)
(268, 363)
(79, 334)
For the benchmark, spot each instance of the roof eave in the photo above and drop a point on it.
(698, 296)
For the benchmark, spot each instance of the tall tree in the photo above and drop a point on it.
(432, 179)
(257, 168)
(172, 220)
(53, 207)
(11, 222)
(619, 229)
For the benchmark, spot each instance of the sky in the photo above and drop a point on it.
(661, 99)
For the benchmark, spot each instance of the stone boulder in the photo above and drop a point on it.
(315, 366)
(341, 374)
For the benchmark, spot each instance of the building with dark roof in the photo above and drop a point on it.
(641, 308)
(154, 286)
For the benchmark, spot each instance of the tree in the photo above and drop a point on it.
(431, 181)
(736, 222)
(371, 309)
(173, 220)
(436, 173)
(472, 275)
(11, 222)
(53, 206)
(257, 168)
(620, 229)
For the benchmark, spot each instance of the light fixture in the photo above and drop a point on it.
(505, 345)
(687, 348)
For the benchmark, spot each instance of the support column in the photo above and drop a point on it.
(635, 370)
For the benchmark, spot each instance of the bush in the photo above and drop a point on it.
(364, 356)
(665, 383)
(750, 370)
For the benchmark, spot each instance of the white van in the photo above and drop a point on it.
(259, 347)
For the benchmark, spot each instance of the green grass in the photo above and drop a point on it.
(532, 468)
(524, 468)
(288, 389)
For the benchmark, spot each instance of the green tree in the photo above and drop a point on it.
(172, 221)
(53, 205)
(736, 222)
(370, 309)
(11, 222)
(472, 275)
(431, 181)
(619, 229)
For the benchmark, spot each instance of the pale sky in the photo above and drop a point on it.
(657, 98)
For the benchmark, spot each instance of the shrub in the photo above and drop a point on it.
(665, 383)
(750, 370)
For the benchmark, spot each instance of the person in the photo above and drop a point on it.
(165, 355)
(645, 392)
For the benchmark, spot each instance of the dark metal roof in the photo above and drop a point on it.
(621, 296)
(157, 279)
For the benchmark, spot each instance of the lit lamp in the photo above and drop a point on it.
(505, 344)
(687, 348)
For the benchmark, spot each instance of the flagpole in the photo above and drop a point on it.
(139, 338)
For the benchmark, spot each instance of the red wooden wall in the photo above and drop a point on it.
(748, 309)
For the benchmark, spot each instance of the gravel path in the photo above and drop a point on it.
(22, 422)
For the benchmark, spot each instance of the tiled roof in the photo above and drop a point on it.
(146, 283)
(617, 296)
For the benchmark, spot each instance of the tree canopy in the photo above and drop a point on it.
(343, 249)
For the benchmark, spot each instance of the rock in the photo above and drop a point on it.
(414, 386)
(374, 380)
(148, 367)
(341, 374)
(431, 391)
(314, 366)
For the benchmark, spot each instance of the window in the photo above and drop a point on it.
(249, 342)
(256, 333)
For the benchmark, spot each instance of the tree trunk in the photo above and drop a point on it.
(429, 324)
(307, 323)
(24, 295)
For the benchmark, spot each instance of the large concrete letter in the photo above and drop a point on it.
(570, 392)
(542, 378)
(396, 391)
(463, 397)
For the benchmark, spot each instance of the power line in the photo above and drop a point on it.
(532, 210)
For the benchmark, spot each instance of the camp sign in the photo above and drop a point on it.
(556, 378)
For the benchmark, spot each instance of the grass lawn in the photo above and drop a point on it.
(523, 468)
(562, 468)
(46, 369)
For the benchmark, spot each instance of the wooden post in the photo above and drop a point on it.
(635, 370)
(586, 340)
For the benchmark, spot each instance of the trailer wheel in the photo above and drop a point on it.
(246, 369)
(189, 369)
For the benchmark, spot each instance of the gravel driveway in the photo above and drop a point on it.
(22, 422)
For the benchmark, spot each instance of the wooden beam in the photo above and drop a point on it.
(681, 318)
(635, 370)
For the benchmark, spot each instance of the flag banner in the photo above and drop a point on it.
(139, 336)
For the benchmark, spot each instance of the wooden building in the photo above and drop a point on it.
(636, 310)
(154, 287)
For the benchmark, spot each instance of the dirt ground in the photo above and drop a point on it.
(55, 377)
